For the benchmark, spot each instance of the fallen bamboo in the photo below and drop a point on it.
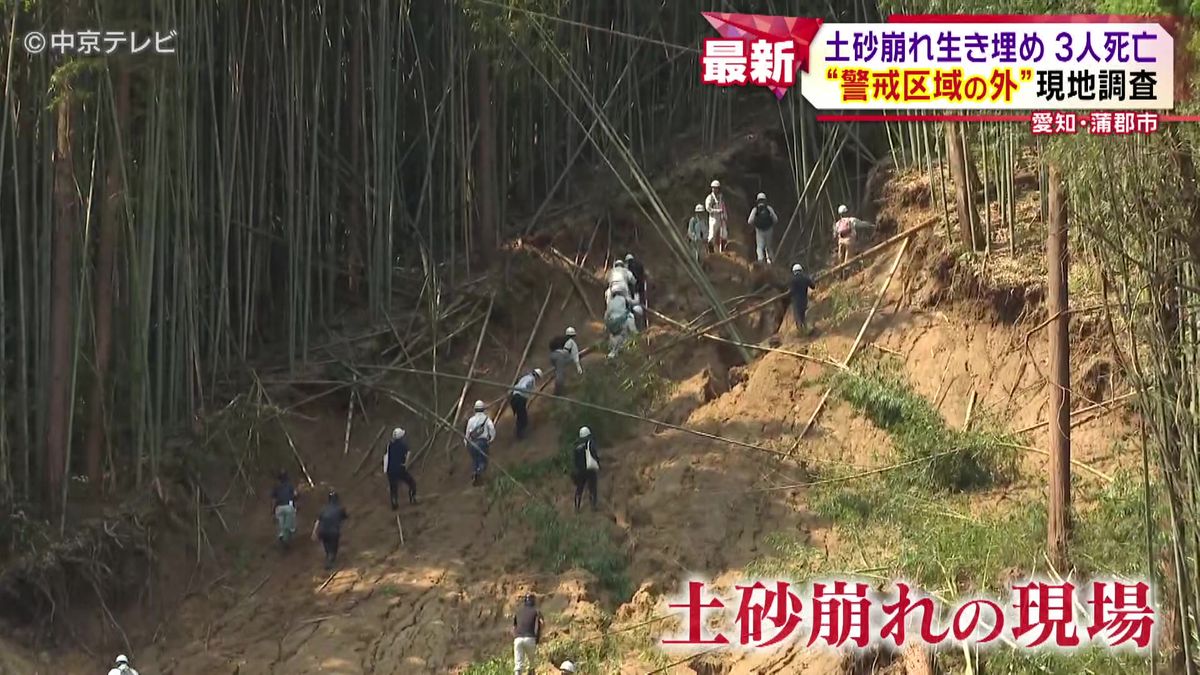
(857, 341)
(970, 409)
(462, 395)
(537, 324)
(773, 350)
(400, 528)
(1074, 462)
(286, 434)
(593, 406)
(579, 265)
(1094, 406)
(349, 421)
(903, 236)
(367, 451)
(575, 279)
(322, 586)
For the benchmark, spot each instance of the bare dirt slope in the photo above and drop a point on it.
(678, 503)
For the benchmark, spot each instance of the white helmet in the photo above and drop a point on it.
(628, 257)
(121, 658)
(567, 667)
(842, 210)
(638, 309)
(397, 434)
(796, 269)
(618, 263)
(570, 332)
(715, 183)
(537, 372)
(479, 406)
(762, 197)
(699, 209)
(584, 432)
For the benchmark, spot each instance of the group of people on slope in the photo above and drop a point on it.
(327, 528)
(624, 302)
(709, 225)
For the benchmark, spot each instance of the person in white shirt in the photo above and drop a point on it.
(764, 219)
(480, 433)
(122, 667)
(718, 223)
(620, 282)
(519, 400)
(563, 353)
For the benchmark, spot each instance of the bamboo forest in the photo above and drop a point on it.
(480, 336)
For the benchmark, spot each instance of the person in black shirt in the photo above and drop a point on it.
(800, 285)
(328, 528)
(283, 509)
(586, 467)
(638, 270)
(395, 461)
(527, 632)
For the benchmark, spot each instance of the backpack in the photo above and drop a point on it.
(558, 342)
(762, 217)
(615, 323)
(479, 433)
(845, 227)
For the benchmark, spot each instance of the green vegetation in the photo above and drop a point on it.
(887, 532)
(958, 460)
(628, 383)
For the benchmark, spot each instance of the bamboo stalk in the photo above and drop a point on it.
(537, 323)
(857, 341)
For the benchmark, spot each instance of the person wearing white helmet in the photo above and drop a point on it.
(764, 219)
(697, 231)
(718, 224)
(564, 352)
(479, 434)
(567, 667)
(800, 285)
(122, 667)
(586, 467)
(846, 229)
(519, 399)
(620, 281)
(395, 467)
(638, 271)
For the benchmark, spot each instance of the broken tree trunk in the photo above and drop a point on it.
(1058, 522)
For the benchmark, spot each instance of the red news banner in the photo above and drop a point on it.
(847, 614)
(1101, 74)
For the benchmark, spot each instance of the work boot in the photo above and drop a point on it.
(412, 497)
(395, 504)
(475, 479)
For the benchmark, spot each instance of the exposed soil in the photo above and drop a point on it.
(677, 503)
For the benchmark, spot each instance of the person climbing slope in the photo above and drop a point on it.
(122, 667)
(718, 223)
(480, 433)
(697, 231)
(620, 322)
(328, 528)
(586, 467)
(395, 467)
(563, 353)
(764, 220)
(800, 285)
(620, 282)
(847, 230)
(527, 633)
(638, 270)
(283, 508)
(519, 400)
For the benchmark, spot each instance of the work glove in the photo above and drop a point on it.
(579, 369)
